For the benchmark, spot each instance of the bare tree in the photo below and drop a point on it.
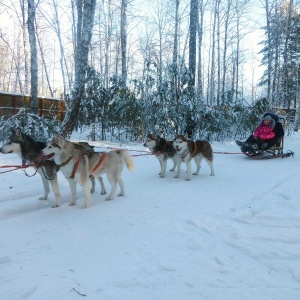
(44, 64)
(63, 65)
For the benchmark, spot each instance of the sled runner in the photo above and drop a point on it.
(269, 154)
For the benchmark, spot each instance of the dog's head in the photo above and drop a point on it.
(150, 141)
(13, 143)
(161, 142)
(59, 148)
(180, 143)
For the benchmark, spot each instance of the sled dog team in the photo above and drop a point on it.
(79, 162)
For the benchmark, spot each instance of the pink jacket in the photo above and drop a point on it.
(264, 132)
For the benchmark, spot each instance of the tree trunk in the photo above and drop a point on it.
(63, 63)
(33, 57)
(200, 37)
(213, 56)
(175, 65)
(226, 29)
(124, 40)
(26, 72)
(85, 22)
(108, 32)
(193, 38)
(44, 65)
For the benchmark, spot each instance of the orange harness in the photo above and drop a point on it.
(100, 161)
(75, 168)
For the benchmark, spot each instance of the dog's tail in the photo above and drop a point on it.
(127, 158)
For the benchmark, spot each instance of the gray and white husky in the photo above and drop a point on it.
(187, 150)
(77, 166)
(29, 150)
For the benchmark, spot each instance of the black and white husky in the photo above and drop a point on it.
(29, 151)
(163, 150)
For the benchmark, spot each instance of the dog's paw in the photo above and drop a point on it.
(103, 193)
(55, 205)
(92, 191)
(121, 194)
(108, 198)
(188, 179)
(71, 203)
(43, 198)
(162, 176)
(85, 206)
(176, 176)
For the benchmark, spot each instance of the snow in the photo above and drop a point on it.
(230, 236)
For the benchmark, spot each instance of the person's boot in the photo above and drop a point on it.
(264, 146)
(239, 143)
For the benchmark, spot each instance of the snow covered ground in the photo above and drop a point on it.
(231, 236)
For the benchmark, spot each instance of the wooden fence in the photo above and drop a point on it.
(10, 104)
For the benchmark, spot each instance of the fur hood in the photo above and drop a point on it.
(267, 117)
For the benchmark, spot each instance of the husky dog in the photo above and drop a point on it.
(163, 150)
(77, 166)
(29, 150)
(186, 150)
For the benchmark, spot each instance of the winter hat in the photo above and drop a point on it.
(268, 117)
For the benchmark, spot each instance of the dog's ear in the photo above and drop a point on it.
(57, 139)
(18, 133)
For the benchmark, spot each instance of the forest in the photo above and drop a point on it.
(128, 67)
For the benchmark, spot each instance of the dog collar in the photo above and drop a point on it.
(65, 162)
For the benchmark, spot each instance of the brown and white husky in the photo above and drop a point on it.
(186, 150)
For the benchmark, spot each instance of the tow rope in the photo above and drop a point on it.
(143, 153)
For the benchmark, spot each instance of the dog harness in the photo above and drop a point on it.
(75, 168)
(100, 161)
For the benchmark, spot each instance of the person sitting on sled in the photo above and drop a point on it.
(263, 137)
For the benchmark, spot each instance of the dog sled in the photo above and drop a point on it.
(276, 148)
